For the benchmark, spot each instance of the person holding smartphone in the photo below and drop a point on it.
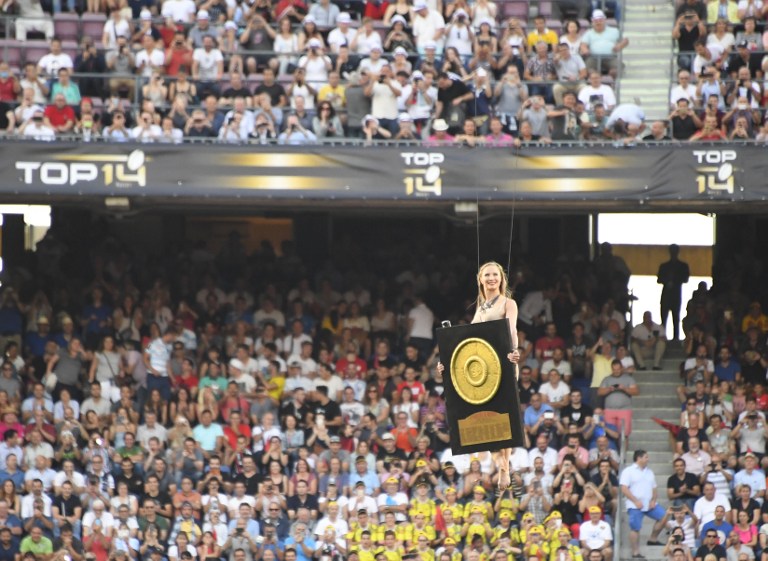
(618, 389)
(649, 342)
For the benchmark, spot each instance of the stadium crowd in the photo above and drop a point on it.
(243, 407)
(720, 92)
(295, 72)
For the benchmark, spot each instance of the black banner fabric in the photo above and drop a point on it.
(674, 173)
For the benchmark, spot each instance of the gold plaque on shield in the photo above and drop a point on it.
(475, 371)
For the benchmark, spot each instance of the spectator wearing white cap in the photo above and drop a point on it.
(325, 13)
(398, 36)
(201, 29)
(374, 62)
(601, 45)
(182, 11)
(459, 34)
(430, 59)
(365, 38)
(342, 34)
(406, 130)
(146, 27)
(428, 25)
(316, 64)
(423, 98)
(401, 62)
(383, 91)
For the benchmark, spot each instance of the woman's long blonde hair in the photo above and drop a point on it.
(503, 289)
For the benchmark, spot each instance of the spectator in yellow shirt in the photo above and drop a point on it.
(422, 503)
(419, 527)
(505, 527)
(450, 549)
(452, 529)
(541, 33)
(452, 505)
(333, 92)
(478, 501)
(476, 525)
(755, 318)
(390, 525)
(392, 551)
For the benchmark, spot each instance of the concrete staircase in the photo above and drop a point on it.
(647, 74)
(657, 399)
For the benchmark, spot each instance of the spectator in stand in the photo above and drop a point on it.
(684, 89)
(342, 34)
(687, 30)
(59, 116)
(540, 71)
(571, 72)
(541, 33)
(50, 63)
(723, 9)
(601, 45)
(648, 342)
(180, 11)
(31, 17)
(428, 26)
(638, 485)
(597, 92)
(208, 67)
(150, 57)
(618, 389)
(707, 55)
(66, 87)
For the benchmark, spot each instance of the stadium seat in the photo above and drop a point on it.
(10, 49)
(67, 26)
(92, 25)
(545, 8)
(35, 50)
(70, 47)
(517, 10)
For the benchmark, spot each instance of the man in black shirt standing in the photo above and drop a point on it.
(452, 92)
(328, 408)
(688, 28)
(684, 121)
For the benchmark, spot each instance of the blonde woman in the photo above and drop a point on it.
(494, 301)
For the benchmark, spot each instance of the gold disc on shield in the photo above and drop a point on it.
(475, 371)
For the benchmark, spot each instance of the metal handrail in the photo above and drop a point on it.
(360, 142)
(617, 522)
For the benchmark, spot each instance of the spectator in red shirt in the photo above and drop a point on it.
(546, 345)
(188, 378)
(60, 116)
(9, 84)
(351, 359)
(376, 10)
(236, 428)
(418, 391)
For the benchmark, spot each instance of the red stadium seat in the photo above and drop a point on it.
(67, 26)
(93, 25)
(517, 10)
(10, 51)
(35, 50)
